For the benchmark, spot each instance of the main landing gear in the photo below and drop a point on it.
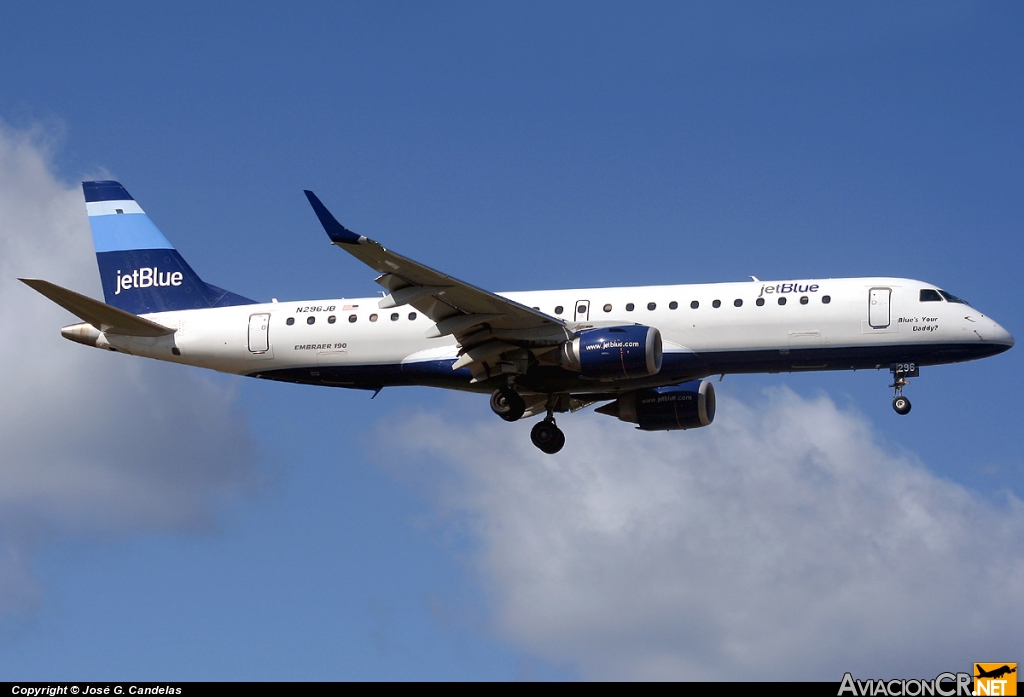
(546, 435)
(900, 373)
(506, 403)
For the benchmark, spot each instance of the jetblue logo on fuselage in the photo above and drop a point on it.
(789, 288)
(147, 277)
(612, 344)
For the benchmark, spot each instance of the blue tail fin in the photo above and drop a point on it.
(140, 270)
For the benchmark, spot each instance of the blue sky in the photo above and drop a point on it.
(272, 531)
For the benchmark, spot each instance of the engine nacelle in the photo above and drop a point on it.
(614, 353)
(690, 405)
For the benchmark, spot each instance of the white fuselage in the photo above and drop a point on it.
(828, 324)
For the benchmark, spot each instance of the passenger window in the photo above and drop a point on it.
(608, 307)
(581, 310)
(373, 318)
(694, 305)
(310, 319)
(929, 295)
(412, 315)
(651, 306)
(738, 302)
(629, 307)
(803, 299)
(332, 319)
(351, 318)
(759, 302)
(782, 300)
(716, 303)
(558, 310)
(394, 316)
(290, 321)
(673, 305)
(826, 299)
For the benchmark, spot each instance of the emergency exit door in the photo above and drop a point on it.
(878, 307)
(582, 312)
(259, 333)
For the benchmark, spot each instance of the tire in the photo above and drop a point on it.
(506, 403)
(547, 437)
(901, 405)
(557, 444)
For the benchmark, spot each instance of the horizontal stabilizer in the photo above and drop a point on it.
(100, 315)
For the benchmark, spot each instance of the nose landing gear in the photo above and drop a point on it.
(900, 373)
(901, 404)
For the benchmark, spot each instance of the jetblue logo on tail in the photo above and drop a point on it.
(147, 277)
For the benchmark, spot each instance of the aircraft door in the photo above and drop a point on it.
(259, 333)
(582, 310)
(878, 307)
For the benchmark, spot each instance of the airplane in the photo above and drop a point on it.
(646, 351)
(994, 673)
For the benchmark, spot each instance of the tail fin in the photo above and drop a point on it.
(140, 270)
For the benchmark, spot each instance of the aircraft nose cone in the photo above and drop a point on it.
(1005, 336)
(1000, 336)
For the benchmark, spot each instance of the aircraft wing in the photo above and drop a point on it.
(488, 326)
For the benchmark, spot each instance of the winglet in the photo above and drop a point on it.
(338, 233)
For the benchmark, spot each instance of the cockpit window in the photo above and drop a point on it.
(929, 295)
(953, 299)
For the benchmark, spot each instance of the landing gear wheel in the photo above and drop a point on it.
(902, 405)
(506, 403)
(900, 373)
(547, 436)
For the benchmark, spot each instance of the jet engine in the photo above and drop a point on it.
(689, 405)
(614, 353)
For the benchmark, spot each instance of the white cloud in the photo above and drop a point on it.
(91, 442)
(781, 542)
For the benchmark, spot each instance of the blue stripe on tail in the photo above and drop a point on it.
(105, 191)
(113, 233)
(140, 270)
